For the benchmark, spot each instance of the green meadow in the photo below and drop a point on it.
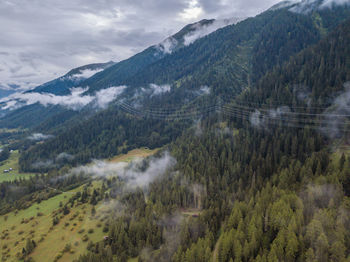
(12, 162)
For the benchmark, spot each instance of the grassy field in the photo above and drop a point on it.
(191, 212)
(142, 152)
(11, 130)
(12, 162)
(64, 241)
(73, 229)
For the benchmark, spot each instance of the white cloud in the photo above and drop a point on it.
(205, 90)
(39, 137)
(157, 90)
(285, 4)
(168, 45)
(336, 117)
(329, 3)
(259, 120)
(105, 96)
(84, 74)
(130, 173)
(75, 101)
(64, 157)
(308, 6)
(203, 30)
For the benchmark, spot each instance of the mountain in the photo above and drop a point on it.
(228, 62)
(120, 73)
(63, 84)
(250, 131)
(95, 77)
(253, 54)
(33, 111)
(5, 93)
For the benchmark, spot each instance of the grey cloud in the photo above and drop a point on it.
(230, 8)
(47, 38)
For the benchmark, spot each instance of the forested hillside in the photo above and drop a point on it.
(280, 191)
(272, 194)
(249, 133)
(229, 61)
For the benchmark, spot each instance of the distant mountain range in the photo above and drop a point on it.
(19, 108)
(220, 56)
(200, 63)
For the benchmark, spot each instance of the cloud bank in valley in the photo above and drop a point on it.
(75, 101)
(134, 174)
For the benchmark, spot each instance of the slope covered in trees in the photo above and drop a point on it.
(276, 194)
(277, 191)
(229, 61)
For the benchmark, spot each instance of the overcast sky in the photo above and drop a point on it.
(43, 39)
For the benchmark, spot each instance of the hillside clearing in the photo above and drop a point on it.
(12, 162)
(136, 153)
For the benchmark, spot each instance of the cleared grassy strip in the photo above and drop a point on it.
(142, 152)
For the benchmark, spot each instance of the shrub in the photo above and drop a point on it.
(67, 248)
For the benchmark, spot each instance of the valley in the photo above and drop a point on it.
(226, 141)
(69, 238)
